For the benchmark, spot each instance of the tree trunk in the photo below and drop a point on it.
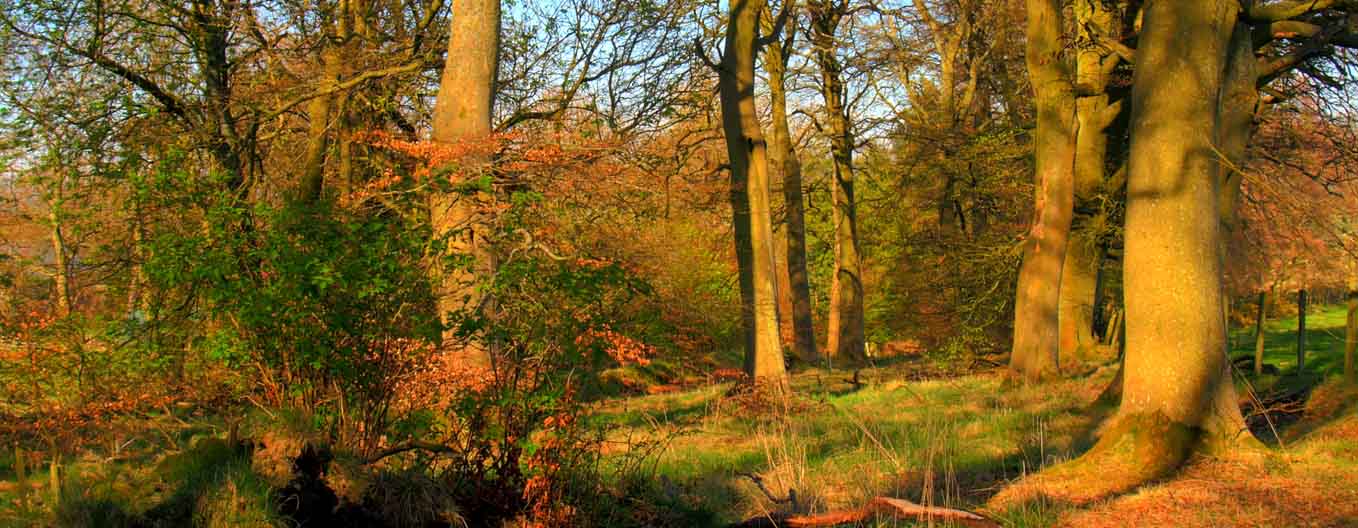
(1239, 101)
(1094, 114)
(1259, 334)
(750, 195)
(1114, 338)
(1172, 272)
(319, 112)
(1079, 276)
(783, 154)
(1351, 333)
(1175, 331)
(1301, 331)
(1177, 395)
(846, 339)
(463, 111)
(61, 277)
(1036, 346)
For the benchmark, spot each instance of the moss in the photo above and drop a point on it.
(1135, 450)
(1152, 442)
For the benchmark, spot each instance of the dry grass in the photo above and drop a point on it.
(1289, 489)
(943, 442)
(957, 442)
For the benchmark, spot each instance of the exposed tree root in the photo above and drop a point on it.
(880, 508)
(1136, 450)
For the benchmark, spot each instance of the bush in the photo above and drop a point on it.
(329, 307)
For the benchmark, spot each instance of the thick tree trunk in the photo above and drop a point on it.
(783, 154)
(1079, 281)
(1301, 332)
(1175, 331)
(1259, 334)
(1177, 392)
(319, 111)
(1094, 114)
(463, 111)
(846, 339)
(750, 195)
(1239, 101)
(1036, 346)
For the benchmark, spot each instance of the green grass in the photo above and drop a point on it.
(1324, 348)
(951, 442)
(945, 442)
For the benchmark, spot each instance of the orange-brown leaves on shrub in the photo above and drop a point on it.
(562, 445)
(621, 348)
(432, 378)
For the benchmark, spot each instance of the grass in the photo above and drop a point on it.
(942, 442)
(947, 441)
(955, 442)
(1324, 345)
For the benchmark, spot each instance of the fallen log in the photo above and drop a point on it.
(880, 508)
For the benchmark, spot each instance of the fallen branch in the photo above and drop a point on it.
(880, 508)
(414, 445)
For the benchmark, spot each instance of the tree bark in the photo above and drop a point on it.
(1177, 393)
(1301, 331)
(846, 340)
(746, 147)
(1177, 385)
(319, 115)
(783, 154)
(1036, 345)
(1259, 334)
(1079, 276)
(1094, 114)
(1351, 333)
(1175, 331)
(463, 111)
(61, 278)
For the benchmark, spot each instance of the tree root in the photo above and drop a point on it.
(878, 508)
(1137, 450)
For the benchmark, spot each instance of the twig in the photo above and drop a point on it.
(759, 483)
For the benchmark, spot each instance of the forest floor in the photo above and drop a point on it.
(904, 429)
(956, 441)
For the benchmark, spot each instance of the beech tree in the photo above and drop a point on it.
(783, 155)
(1177, 394)
(463, 112)
(1097, 178)
(1036, 344)
(750, 206)
(845, 338)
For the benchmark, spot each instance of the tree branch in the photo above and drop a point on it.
(1293, 8)
(778, 25)
(413, 445)
(339, 87)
